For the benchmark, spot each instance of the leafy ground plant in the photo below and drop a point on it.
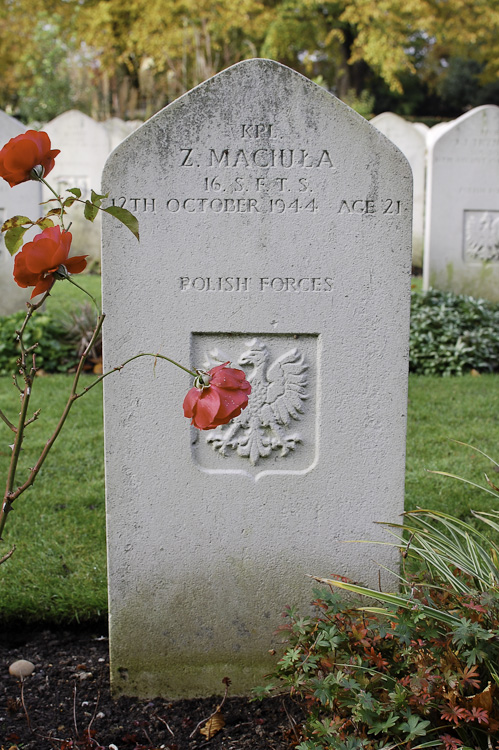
(418, 670)
(453, 333)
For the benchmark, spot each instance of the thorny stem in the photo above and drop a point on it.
(136, 356)
(85, 291)
(58, 199)
(9, 554)
(12, 494)
(28, 375)
(7, 422)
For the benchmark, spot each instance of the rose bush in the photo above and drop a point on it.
(42, 261)
(218, 396)
(25, 152)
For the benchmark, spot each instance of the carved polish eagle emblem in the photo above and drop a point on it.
(482, 235)
(278, 392)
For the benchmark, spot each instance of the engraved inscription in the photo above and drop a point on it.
(285, 158)
(257, 179)
(136, 205)
(261, 283)
(255, 176)
(256, 130)
(279, 390)
(481, 235)
(386, 207)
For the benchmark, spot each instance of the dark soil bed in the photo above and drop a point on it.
(68, 702)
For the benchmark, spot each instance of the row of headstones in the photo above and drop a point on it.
(456, 198)
(275, 234)
(455, 204)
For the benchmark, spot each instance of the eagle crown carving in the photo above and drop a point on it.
(278, 392)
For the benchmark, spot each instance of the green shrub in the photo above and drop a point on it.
(397, 679)
(61, 338)
(55, 352)
(452, 333)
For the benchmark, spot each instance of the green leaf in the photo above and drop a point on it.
(414, 727)
(96, 198)
(126, 218)
(383, 726)
(90, 211)
(14, 239)
(74, 191)
(15, 221)
(45, 223)
(69, 202)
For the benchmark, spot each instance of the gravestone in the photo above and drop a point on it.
(462, 214)
(413, 145)
(275, 233)
(422, 128)
(119, 129)
(85, 145)
(29, 196)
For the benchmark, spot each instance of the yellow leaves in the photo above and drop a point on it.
(15, 221)
(215, 723)
(16, 227)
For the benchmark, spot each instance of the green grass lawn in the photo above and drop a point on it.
(58, 571)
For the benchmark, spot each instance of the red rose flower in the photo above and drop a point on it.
(217, 397)
(25, 152)
(41, 262)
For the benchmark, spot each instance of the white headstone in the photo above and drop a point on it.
(421, 127)
(85, 146)
(22, 199)
(462, 217)
(119, 129)
(275, 233)
(412, 143)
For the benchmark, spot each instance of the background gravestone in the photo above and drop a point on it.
(29, 196)
(412, 143)
(275, 233)
(119, 129)
(85, 146)
(462, 214)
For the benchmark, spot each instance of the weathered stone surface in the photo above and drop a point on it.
(412, 143)
(22, 199)
(276, 233)
(462, 215)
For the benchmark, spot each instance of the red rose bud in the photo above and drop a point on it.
(41, 262)
(217, 397)
(26, 157)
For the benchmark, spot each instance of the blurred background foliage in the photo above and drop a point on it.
(129, 58)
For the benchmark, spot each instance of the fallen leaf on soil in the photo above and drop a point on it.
(214, 724)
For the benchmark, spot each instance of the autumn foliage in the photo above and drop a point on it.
(371, 681)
